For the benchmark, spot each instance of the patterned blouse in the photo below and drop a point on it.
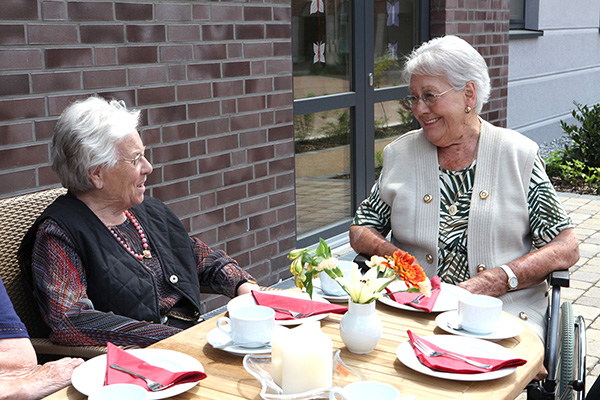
(547, 217)
(60, 279)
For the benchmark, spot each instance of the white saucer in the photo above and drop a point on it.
(507, 326)
(217, 337)
(334, 299)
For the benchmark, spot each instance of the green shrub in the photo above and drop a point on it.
(585, 135)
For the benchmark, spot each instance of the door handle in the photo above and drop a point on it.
(371, 79)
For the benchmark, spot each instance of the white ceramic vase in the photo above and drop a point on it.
(361, 327)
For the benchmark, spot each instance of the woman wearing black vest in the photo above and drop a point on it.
(107, 263)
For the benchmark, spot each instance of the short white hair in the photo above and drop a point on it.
(87, 136)
(455, 60)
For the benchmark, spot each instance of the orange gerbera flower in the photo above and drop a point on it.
(406, 269)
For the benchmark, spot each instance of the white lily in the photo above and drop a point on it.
(366, 288)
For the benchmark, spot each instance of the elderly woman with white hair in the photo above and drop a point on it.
(106, 262)
(471, 201)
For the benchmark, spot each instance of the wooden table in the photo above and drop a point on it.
(227, 378)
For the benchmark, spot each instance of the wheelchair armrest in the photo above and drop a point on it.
(559, 278)
(360, 260)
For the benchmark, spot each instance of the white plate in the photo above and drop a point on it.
(468, 346)
(248, 300)
(89, 376)
(334, 299)
(217, 337)
(446, 301)
(507, 326)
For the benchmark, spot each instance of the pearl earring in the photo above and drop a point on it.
(468, 109)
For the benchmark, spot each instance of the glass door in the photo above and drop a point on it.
(346, 68)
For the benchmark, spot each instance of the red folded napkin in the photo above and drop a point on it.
(116, 355)
(426, 303)
(451, 364)
(295, 304)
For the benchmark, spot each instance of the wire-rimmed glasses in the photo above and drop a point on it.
(428, 98)
(134, 161)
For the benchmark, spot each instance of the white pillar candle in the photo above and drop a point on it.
(306, 359)
(278, 340)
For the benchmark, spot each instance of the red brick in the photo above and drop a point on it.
(253, 138)
(174, 171)
(187, 206)
(44, 130)
(213, 163)
(47, 177)
(90, 11)
(197, 148)
(282, 14)
(226, 13)
(232, 212)
(177, 73)
(19, 9)
(277, 31)
(55, 81)
(175, 133)
(17, 181)
(23, 156)
(12, 34)
(148, 75)
(171, 191)
(196, 91)
(127, 95)
(258, 50)
(258, 13)
(104, 78)
(201, 12)
(232, 229)
(257, 67)
(102, 34)
(284, 149)
(263, 220)
(279, 100)
(199, 72)
(254, 103)
(208, 219)
(253, 206)
(228, 88)
(279, 67)
(243, 243)
(133, 12)
(16, 133)
(260, 85)
(57, 103)
(213, 127)
(204, 110)
(284, 229)
(282, 49)
(54, 11)
(209, 200)
(156, 95)
(213, 51)
(173, 12)
(243, 122)
(167, 114)
(20, 59)
(217, 32)
(250, 32)
(183, 33)
(222, 143)
(261, 153)
(137, 54)
(281, 199)
(280, 133)
(234, 50)
(267, 118)
(281, 165)
(106, 56)
(284, 116)
(11, 85)
(146, 33)
(175, 53)
(165, 154)
(228, 106)
(21, 109)
(69, 57)
(204, 184)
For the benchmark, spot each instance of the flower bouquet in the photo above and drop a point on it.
(362, 289)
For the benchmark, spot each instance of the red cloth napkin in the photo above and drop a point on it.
(451, 364)
(116, 355)
(426, 303)
(295, 304)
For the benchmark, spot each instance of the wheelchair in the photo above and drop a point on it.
(565, 347)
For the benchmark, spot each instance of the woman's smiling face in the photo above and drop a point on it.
(124, 183)
(442, 121)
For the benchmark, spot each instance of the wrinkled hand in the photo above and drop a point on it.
(52, 376)
(247, 287)
(491, 282)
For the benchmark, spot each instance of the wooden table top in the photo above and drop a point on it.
(227, 378)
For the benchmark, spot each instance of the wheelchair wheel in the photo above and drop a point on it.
(566, 357)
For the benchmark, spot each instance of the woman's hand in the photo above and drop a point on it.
(491, 282)
(247, 287)
(366, 240)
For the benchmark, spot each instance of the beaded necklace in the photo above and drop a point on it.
(146, 252)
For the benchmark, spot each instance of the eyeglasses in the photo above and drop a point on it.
(428, 98)
(134, 161)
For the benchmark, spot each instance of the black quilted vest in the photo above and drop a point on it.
(116, 280)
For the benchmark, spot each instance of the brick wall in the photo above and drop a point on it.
(484, 24)
(213, 79)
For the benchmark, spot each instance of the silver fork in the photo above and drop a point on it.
(428, 351)
(294, 314)
(153, 386)
(417, 299)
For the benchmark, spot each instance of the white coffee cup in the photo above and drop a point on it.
(119, 391)
(365, 390)
(249, 325)
(329, 286)
(478, 313)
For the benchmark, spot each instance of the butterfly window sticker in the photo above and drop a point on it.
(393, 12)
(317, 7)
